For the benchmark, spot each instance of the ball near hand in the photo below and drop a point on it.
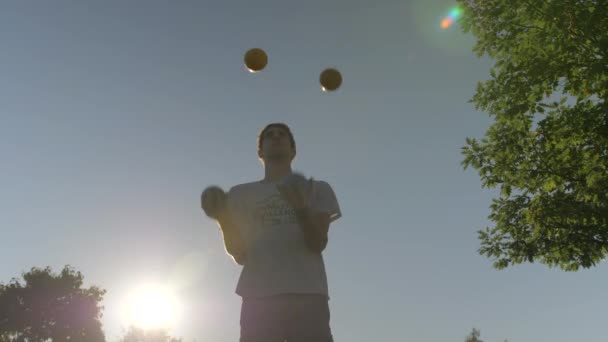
(213, 199)
(296, 180)
(255, 59)
(330, 79)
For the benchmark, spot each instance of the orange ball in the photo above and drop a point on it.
(255, 59)
(330, 79)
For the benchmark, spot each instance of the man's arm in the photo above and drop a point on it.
(233, 242)
(315, 226)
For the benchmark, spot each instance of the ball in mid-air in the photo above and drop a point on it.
(255, 59)
(330, 79)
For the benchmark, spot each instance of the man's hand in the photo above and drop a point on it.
(315, 226)
(296, 190)
(213, 201)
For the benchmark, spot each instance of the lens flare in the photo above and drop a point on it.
(455, 12)
(439, 24)
(446, 22)
(451, 18)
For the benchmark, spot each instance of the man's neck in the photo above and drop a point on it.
(276, 171)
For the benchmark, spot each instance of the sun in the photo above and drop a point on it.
(153, 307)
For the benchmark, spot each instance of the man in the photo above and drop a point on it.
(278, 230)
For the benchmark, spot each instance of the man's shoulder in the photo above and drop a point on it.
(321, 183)
(253, 185)
(238, 188)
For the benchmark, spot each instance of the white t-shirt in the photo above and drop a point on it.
(278, 259)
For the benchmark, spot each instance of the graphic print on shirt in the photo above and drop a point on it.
(273, 211)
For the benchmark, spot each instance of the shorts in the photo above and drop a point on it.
(286, 317)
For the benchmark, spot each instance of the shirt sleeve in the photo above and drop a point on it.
(325, 200)
(235, 206)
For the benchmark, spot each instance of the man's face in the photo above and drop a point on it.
(276, 145)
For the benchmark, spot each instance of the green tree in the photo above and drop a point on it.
(474, 336)
(136, 334)
(547, 146)
(50, 307)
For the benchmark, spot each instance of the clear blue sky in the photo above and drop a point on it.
(116, 114)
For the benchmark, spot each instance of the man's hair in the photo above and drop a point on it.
(276, 124)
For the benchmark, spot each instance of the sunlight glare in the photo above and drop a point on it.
(153, 306)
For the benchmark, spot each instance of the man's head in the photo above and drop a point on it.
(276, 143)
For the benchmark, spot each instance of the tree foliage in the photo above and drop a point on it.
(547, 147)
(135, 334)
(50, 306)
(474, 336)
